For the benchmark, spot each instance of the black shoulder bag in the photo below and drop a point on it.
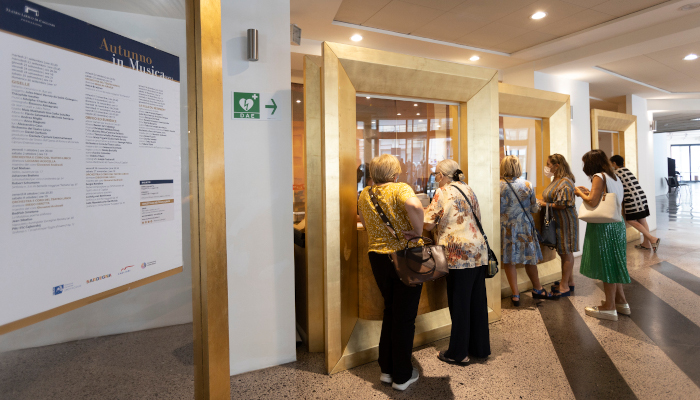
(414, 265)
(492, 269)
(549, 235)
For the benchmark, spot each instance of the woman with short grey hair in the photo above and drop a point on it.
(453, 214)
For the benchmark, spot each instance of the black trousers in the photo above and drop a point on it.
(466, 297)
(399, 322)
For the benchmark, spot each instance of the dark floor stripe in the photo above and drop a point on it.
(675, 334)
(680, 276)
(588, 368)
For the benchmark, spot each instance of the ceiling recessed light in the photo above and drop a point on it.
(398, 114)
(368, 97)
(298, 101)
(356, 37)
(688, 7)
(695, 119)
(539, 15)
(415, 105)
(474, 58)
(690, 57)
(417, 113)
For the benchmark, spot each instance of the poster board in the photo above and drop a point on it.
(89, 162)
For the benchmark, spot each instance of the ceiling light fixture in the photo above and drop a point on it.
(690, 57)
(695, 119)
(298, 101)
(415, 105)
(474, 58)
(356, 37)
(368, 97)
(398, 114)
(539, 15)
(688, 7)
(417, 113)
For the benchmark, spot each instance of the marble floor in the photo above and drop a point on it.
(540, 350)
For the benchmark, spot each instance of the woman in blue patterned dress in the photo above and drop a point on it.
(519, 244)
(559, 197)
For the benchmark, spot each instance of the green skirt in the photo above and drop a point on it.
(605, 253)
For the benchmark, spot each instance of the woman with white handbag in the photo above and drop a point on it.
(605, 244)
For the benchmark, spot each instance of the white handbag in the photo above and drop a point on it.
(605, 212)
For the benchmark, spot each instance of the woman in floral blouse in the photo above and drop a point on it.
(467, 258)
(519, 244)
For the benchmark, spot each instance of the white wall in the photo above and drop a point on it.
(645, 151)
(162, 303)
(259, 190)
(661, 153)
(580, 126)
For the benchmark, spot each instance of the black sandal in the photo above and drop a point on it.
(542, 294)
(441, 357)
(516, 303)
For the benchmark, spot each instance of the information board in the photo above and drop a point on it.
(89, 160)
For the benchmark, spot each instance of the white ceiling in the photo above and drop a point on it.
(500, 25)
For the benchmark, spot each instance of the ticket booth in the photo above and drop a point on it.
(532, 125)
(616, 134)
(360, 103)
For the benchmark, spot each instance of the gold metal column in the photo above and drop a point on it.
(207, 200)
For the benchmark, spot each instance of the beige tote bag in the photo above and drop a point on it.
(606, 211)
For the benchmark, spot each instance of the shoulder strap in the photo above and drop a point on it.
(527, 214)
(379, 211)
(478, 223)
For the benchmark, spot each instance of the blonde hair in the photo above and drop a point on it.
(510, 167)
(448, 168)
(384, 168)
(564, 170)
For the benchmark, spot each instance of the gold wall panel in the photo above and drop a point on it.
(483, 155)
(207, 200)
(332, 248)
(347, 150)
(314, 204)
(528, 102)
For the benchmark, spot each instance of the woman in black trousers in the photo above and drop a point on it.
(453, 212)
(405, 212)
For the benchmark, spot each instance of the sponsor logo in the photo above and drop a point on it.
(99, 278)
(64, 288)
(147, 264)
(125, 270)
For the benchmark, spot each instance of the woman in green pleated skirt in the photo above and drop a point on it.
(605, 244)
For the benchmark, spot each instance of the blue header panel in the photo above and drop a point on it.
(42, 24)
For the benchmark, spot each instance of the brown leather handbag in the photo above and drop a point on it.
(414, 265)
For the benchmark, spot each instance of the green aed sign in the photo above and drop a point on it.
(246, 105)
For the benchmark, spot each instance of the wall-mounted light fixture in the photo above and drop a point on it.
(252, 45)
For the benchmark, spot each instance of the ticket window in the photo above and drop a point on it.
(522, 137)
(419, 134)
(611, 142)
(298, 164)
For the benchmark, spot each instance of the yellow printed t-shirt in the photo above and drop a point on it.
(392, 198)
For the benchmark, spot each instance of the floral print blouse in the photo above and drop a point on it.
(456, 229)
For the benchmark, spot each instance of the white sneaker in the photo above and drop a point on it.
(386, 378)
(623, 309)
(405, 385)
(601, 314)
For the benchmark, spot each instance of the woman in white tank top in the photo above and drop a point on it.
(605, 245)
